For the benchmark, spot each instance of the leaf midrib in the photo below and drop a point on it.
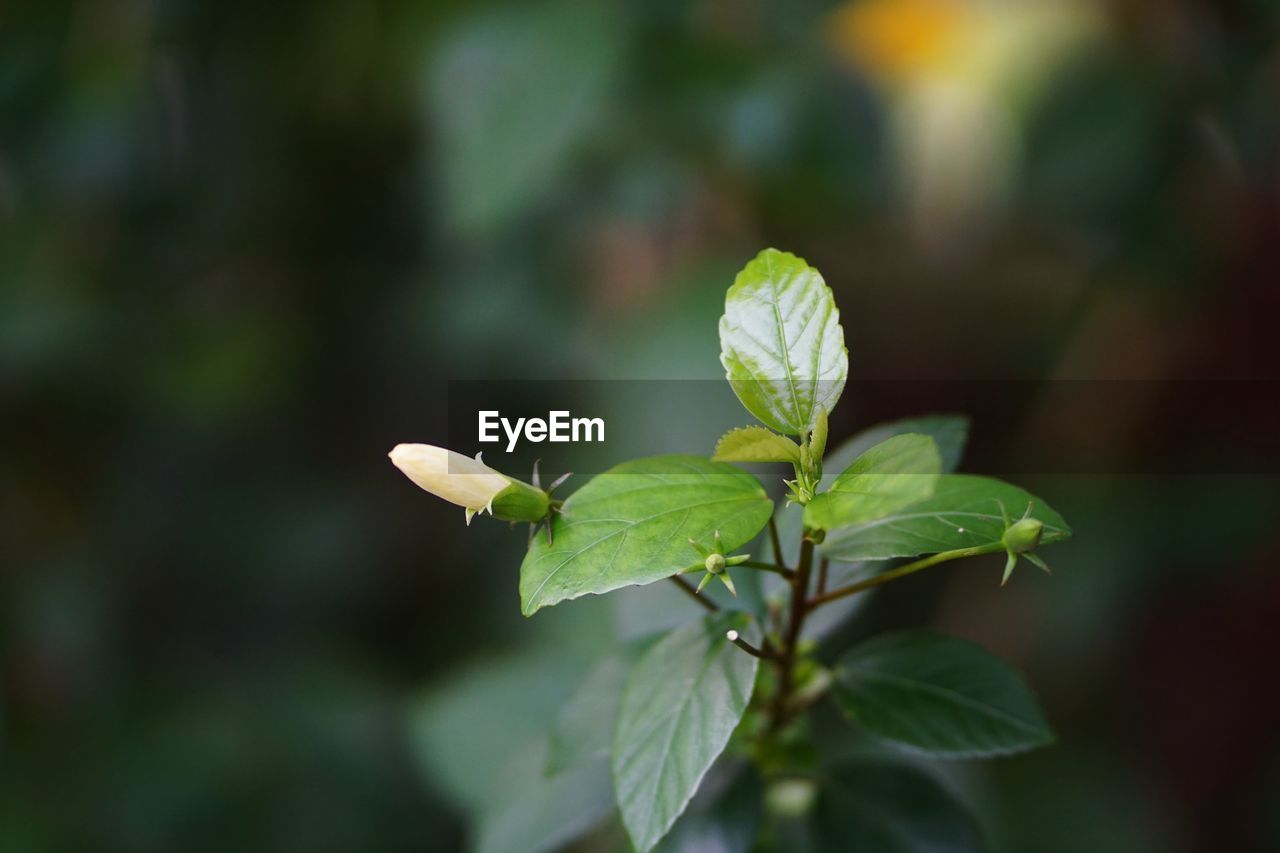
(782, 338)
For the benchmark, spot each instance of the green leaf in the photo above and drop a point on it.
(755, 444)
(781, 343)
(893, 474)
(682, 702)
(940, 695)
(583, 729)
(949, 431)
(631, 525)
(535, 813)
(874, 806)
(963, 512)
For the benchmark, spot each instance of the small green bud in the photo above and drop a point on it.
(715, 563)
(1023, 536)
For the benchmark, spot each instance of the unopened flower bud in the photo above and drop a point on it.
(715, 563)
(1023, 536)
(469, 483)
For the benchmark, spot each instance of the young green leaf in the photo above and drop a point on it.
(949, 431)
(683, 700)
(964, 512)
(755, 444)
(874, 806)
(631, 525)
(940, 695)
(893, 474)
(781, 343)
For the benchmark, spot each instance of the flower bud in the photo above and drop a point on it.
(469, 483)
(1023, 536)
(715, 563)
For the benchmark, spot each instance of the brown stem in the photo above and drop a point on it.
(822, 575)
(735, 638)
(688, 587)
(787, 656)
(777, 543)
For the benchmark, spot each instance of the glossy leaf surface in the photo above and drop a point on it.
(631, 525)
(781, 343)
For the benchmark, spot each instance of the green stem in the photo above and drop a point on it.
(903, 571)
(768, 567)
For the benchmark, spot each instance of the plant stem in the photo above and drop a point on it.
(777, 543)
(903, 571)
(768, 567)
(822, 575)
(736, 639)
(787, 656)
(688, 587)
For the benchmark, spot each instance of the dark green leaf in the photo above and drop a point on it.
(879, 807)
(893, 474)
(682, 702)
(963, 512)
(631, 526)
(949, 431)
(940, 695)
(755, 444)
(781, 343)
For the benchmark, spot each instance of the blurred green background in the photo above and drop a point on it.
(243, 247)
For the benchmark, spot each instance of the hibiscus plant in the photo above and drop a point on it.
(725, 703)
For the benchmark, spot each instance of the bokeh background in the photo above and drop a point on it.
(244, 246)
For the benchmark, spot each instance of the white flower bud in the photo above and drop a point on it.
(469, 483)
